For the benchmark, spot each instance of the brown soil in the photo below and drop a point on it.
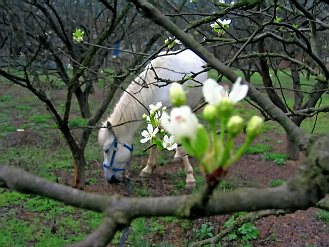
(297, 229)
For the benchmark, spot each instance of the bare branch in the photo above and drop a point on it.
(154, 14)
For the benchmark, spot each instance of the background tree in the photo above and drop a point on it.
(305, 189)
(38, 52)
(278, 34)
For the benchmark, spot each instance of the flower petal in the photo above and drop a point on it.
(212, 92)
(165, 123)
(174, 146)
(144, 140)
(239, 91)
(150, 128)
(145, 133)
(155, 131)
(166, 138)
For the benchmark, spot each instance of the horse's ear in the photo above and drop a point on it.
(109, 127)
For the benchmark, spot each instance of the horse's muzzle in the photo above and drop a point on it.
(112, 176)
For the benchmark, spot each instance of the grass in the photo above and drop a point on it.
(275, 183)
(28, 220)
(259, 149)
(47, 222)
(322, 215)
(277, 158)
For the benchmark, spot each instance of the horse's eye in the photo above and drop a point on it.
(106, 151)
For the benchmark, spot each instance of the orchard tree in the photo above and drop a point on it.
(39, 53)
(278, 31)
(307, 186)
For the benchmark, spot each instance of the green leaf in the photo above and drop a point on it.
(229, 222)
(191, 86)
(277, 19)
(233, 236)
(158, 143)
(187, 145)
(201, 141)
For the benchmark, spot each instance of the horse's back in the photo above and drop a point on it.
(175, 67)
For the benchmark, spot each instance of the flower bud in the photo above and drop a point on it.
(177, 94)
(144, 116)
(164, 108)
(210, 113)
(254, 127)
(225, 107)
(235, 125)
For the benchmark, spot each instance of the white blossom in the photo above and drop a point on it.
(169, 142)
(149, 133)
(181, 122)
(214, 93)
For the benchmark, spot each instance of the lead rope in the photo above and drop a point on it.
(125, 231)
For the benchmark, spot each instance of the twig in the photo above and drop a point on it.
(242, 219)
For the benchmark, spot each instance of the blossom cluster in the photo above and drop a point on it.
(171, 42)
(213, 151)
(153, 126)
(78, 35)
(221, 26)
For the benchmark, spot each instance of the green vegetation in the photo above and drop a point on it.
(278, 158)
(78, 122)
(244, 233)
(204, 232)
(29, 220)
(322, 215)
(5, 98)
(42, 221)
(275, 183)
(259, 149)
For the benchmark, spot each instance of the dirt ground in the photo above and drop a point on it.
(297, 229)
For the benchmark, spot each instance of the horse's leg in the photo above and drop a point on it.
(178, 157)
(152, 161)
(190, 181)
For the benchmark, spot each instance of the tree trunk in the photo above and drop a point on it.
(78, 152)
(264, 72)
(79, 180)
(82, 98)
(292, 148)
(247, 74)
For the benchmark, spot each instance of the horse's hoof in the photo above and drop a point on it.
(190, 185)
(145, 173)
(178, 159)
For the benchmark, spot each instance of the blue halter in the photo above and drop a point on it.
(114, 145)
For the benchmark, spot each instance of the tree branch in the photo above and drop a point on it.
(242, 219)
(294, 133)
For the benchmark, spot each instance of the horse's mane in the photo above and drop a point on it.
(134, 102)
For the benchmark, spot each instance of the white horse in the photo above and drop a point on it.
(148, 89)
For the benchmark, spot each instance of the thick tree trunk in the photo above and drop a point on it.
(292, 148)
(82, 98)
(264, 72)
(247, 74)
(78, 152)
(79, 180)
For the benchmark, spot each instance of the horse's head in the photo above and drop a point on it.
(117, 155)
